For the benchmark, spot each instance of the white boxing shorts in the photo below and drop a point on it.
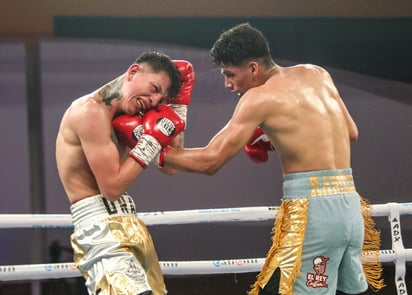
(113, 248)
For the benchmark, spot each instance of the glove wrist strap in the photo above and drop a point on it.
(146, 150)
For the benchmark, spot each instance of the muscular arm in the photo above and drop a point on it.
(222, 147)
(208, 159)
(93, 128)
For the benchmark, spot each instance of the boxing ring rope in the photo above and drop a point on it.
(398, 254)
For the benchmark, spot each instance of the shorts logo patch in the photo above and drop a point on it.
(318, 279)
(133, 269)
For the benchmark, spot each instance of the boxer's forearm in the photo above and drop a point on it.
(197, 160)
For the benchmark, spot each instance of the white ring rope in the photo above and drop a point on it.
(175, 217)
(149, 218)
(169, 268)
(398, 255)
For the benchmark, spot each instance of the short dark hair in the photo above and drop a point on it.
(160, 62)
(240, 44)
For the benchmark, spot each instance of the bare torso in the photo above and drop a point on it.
(300, 110)
(307, 122)
(75, 172)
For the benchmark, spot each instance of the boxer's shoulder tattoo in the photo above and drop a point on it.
(111, 91)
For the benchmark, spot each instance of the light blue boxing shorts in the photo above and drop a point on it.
(113, 248)
(318, 238)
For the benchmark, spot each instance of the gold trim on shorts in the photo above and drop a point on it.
(286, 250)
(331, 185)
(371, 243)
(110, 234)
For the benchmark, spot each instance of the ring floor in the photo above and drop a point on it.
(229, 284)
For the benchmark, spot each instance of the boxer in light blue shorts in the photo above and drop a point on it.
(113, 248)
(318, 237)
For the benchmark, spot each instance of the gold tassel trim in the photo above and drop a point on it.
(371, 244)
(264, 273)
(297, 214)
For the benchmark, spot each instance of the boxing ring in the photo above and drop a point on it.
(398, 255)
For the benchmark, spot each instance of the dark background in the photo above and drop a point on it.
(375, 46)
(42, 72)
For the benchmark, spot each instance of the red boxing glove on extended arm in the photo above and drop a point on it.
(258, 146)
(182, 100)
(160, 126)
(128, 129)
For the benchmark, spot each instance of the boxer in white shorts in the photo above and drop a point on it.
(113, 248)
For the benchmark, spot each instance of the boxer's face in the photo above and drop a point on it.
(238, 79)
(146, 89)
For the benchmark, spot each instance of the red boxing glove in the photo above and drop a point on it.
(182, 100)
(128, 129)
(160, 126)
(258, 146)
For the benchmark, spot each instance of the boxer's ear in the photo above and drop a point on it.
(133, 69)
(253, 66)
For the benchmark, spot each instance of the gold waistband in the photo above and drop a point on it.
(318, 183)
(331, 185)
